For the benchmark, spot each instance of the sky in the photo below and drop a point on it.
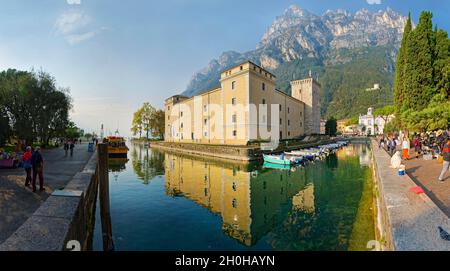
(115, 55)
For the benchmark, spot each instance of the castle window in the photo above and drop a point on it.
(206, 133)
(234, 133)
(205, 108)
(281, 121)
(234, 203)
(181, 125)
(254, 68)
(263, 86)
(181, 113)
(280, 107)
(242, 68)
(233, 85)
(263, 101)
(233, 118)
(288, 110)
(233, 101)
(289, 133)
(205, 121)
(301, 114)
(289, 122)
(266, 73)
(301, 124)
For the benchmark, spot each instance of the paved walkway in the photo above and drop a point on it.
(17, 202)
(409, 221)
(425, 173)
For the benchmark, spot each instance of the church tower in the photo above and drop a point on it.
(308, 91)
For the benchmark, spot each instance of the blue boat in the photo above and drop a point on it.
(276, 166)
(277, 159)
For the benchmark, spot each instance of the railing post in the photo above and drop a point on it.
(105, 214)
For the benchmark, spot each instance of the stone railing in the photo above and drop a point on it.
(65, 220)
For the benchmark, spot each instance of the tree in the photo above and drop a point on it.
(158, 124)
(147, 115)
(418, 87)
(400, 67)
(72, 131)
(136, 125)
(331, 127)
(144, 120)
(352, 121)
(33, 104)
(385, 112)
(4, 127)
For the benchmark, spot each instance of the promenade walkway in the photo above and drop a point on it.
(409, 221)
(17, 202)
(425, 174)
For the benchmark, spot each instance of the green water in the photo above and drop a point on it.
(168, 201)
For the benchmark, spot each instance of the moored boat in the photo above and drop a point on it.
(279, 159)
(116, 146)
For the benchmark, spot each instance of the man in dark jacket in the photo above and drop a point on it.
(38, 169)
(446, 163)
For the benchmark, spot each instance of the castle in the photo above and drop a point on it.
(245, 107)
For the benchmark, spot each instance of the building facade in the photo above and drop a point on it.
(308, 91)
(371, 125)
(245, 107)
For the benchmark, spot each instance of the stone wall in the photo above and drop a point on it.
(241, 153)
(407, 221)
(68, 214)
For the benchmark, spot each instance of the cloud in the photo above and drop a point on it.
(76, 26)
(373, 2)
(78, 38)
(73, 2)
(72, 21)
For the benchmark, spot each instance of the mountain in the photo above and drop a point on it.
(330, 45)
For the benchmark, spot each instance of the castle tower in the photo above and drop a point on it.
(308, 91)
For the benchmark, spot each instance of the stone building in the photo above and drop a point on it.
(245, 107)
(308, 91)
(373, 125)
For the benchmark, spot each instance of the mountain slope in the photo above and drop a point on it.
(365, 43)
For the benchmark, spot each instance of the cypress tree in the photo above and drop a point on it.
(400, 68)
(418, 87)
(441, 58)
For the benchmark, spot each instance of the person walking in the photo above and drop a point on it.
(446, 158)
(66, 147)
(417, 146)
(405, 148)
(26, 159)
(37, 162)
(71, 146)
(392, 146)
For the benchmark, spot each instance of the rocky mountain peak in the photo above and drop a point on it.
(299, 34)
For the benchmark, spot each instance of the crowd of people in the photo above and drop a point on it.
(426, 145)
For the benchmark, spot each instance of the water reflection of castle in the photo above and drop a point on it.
(248, 202)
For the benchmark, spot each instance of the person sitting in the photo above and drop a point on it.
(396, 160)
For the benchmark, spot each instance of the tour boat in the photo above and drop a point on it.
(116, 146)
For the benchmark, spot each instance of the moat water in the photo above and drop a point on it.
(168, 201)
